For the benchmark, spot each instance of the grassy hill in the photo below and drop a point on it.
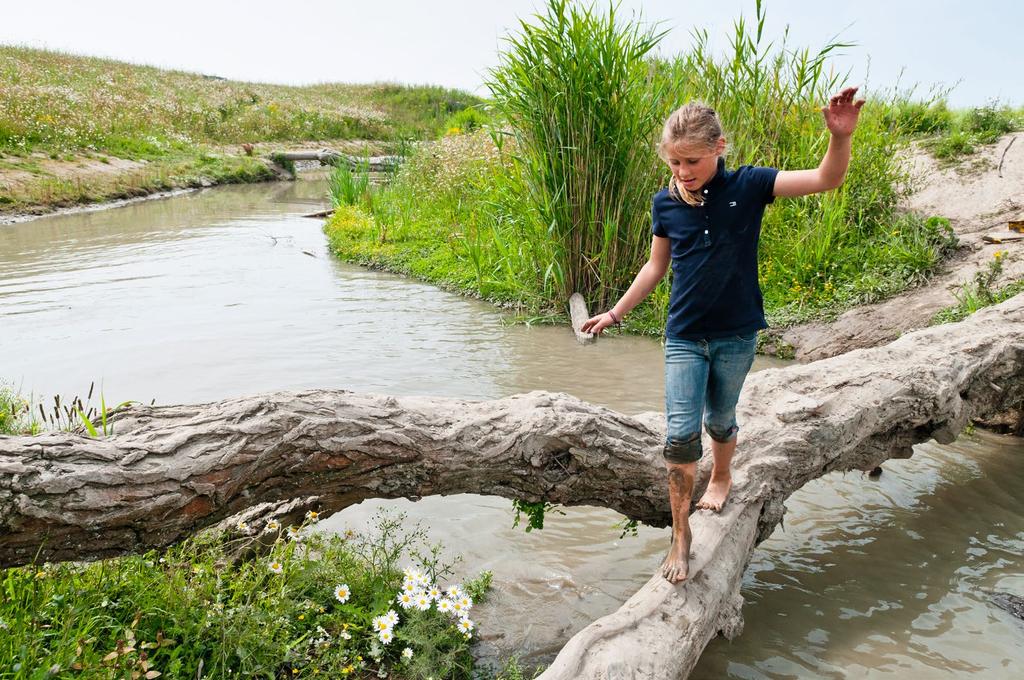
(63, 117)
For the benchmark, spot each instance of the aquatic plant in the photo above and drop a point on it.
(16, 415)
(350, 186)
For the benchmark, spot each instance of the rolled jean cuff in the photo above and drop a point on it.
(721, 435)
(685, 450)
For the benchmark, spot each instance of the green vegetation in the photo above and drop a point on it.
(52, 188)
(466, 120)
(64, 117)
(534, 513)
(980, 292)
(969, 129)
(16, 413)
(307, 604)
(556, 195)
(350, 186)
(65, 103)
(952, 136)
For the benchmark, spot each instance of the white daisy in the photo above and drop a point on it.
(435, 593)
(406, 600)
(423, 601)
(466, 601)
(342, 592)
(381, 623)
(272, 525)
(276, 567)
(392, 617)
(409, 586)
(313, 516)
(423, 580)
(465, 625)
(459, 608)
(407, 652)
(386, 636)
(444, 605)
(293, 533)
(243, 527)
(455, 591)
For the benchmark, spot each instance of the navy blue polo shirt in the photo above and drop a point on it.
(715, 292)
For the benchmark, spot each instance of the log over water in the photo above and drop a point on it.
(329, 157)
(169, 471)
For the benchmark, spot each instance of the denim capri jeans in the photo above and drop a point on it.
(703, 379)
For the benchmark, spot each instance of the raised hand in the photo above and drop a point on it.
(841, 113)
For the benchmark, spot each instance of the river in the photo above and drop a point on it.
(229, 291)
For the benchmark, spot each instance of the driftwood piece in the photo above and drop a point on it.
(1001, 239)
(1002, 158)
(320, 213)
(171, 470)
(578, 315)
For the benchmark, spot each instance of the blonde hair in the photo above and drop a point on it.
(694, 123)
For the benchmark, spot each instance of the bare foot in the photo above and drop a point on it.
(715, 495)
(676, 566)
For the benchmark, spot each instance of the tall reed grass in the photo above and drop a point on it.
(348, 186)
(577, 90)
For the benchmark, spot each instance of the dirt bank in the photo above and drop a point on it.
(35, 184)
(979, 197)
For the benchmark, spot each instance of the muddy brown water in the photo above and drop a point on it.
(230, 291)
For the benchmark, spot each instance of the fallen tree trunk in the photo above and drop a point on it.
(171, 470)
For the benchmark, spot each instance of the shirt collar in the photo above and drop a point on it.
(719, 177)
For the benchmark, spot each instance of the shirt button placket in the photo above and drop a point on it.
(707, 220)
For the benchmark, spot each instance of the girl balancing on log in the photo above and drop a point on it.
(707, 223)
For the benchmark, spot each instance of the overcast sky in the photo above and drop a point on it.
(454, 42)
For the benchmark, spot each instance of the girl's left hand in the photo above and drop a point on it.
(841, 113)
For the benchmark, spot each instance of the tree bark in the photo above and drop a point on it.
(171, 470)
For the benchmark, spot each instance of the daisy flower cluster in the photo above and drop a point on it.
(384, 626)
(419, 593)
